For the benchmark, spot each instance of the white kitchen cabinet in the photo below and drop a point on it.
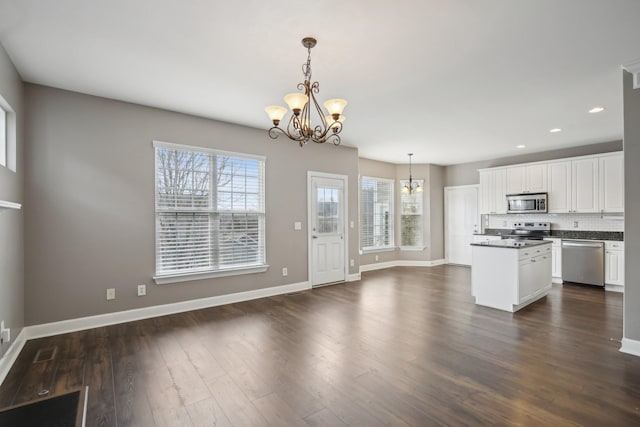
(585, 185)
(556, 259)
(493, 191)
(559, 187)
(527, 179)
(614, 264)
(573, 186)
(612, 183)
(510, 278)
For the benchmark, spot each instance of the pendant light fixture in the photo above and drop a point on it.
(300, 127)
(411, 187)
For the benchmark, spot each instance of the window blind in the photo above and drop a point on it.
(209, 210)
(376, 213)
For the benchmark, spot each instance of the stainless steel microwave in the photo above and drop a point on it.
(527, 203)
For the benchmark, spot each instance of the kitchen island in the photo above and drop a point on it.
(510, 274)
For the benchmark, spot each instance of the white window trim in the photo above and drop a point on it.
(412, 248)
(8, 143)
(391, 246)
(161, 279)
(186, 277)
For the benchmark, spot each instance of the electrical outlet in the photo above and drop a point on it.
(575, 224)
(377, 257)
(285, 272)
(111, 293)
(6, 335)
(142, 290)
(352, 263)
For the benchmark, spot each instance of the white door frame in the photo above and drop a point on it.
(345, 212)
(446, 235)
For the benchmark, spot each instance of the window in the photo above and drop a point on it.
(376, 213)
(209, 212)
(411, 235)
(7, 135)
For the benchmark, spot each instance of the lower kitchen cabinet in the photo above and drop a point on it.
(556, 259)
(614, 265)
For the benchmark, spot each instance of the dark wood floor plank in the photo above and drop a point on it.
(403, 346)
(208, 413)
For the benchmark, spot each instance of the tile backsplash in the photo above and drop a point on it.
(592, 222)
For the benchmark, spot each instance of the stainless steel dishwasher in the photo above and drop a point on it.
(583, 262)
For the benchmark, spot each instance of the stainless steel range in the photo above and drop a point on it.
(529, 231)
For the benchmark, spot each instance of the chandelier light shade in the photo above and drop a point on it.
(411, 187)
(303, 105)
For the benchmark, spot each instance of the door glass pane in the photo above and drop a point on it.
(327, 210)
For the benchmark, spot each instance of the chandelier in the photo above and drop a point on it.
(411, 187)
(300, 127)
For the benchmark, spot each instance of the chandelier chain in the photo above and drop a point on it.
(306, 68)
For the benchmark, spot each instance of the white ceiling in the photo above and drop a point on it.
(452, 81)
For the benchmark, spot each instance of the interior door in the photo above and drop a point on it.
(461, 221)
(327, 230)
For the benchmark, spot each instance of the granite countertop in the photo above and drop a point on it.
(512, 243)
(566, 234)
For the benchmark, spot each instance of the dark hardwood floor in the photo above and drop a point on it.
(404, 346)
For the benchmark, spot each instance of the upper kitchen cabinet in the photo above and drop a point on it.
(573, 186)
(612, 183)
(493, 190)
(585, 190)
(559, 186)
(527, 179)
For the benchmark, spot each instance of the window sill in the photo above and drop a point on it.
(412, 248)
(385, 249)
(186, 277)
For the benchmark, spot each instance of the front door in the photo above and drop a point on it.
(327, 229)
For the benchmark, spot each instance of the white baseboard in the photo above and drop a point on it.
(401, 263)
(353, 277)
(73, 325)
(630, 346)
(614, 288)
(556, 280)
(6, 362)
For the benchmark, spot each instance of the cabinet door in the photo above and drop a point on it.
(536, 178)
(500, 191)
(486, 192)
(556, 262)
(526, 280)
(584, 185)
(612, 183)
(614, 267)
(516, 180)
(559, 187)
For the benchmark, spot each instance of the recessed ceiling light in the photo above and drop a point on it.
(596, 110)
(520, 146)
(554, 130)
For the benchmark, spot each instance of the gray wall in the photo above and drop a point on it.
(90, 196)
(631, 208)
(11, 221)
(467, 173)
(436, 211)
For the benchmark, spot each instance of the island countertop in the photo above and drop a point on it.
(511, 243)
